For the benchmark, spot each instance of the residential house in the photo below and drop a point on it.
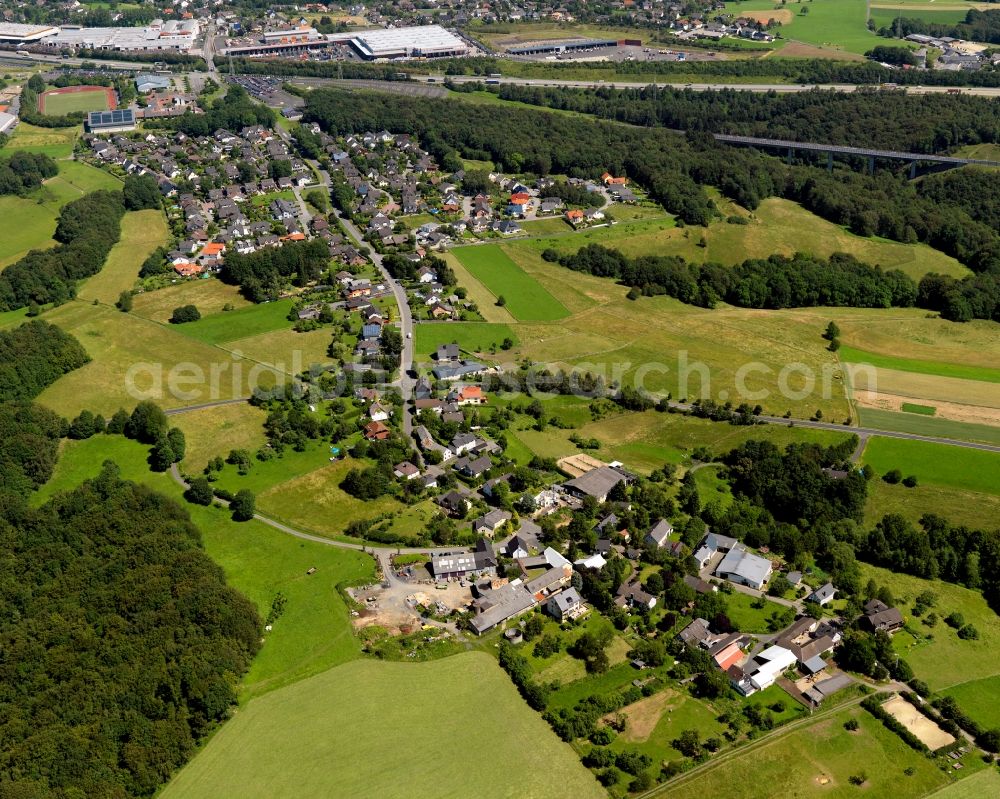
(761, 671)
(823, 594)
(659, 534)
(454, 503)
(598, 483)
(879, 616)
(743, 567)
(406, 470)
(376, 431)
(566, 605)
(488, 524)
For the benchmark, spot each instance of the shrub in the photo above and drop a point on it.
(185, 313)
(893, 476)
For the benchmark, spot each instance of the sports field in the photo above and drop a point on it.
(936, 464)
(391, 730)
(76, 99)
(526, 299)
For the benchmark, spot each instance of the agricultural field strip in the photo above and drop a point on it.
(765, 740)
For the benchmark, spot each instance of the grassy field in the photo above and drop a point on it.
(29, 222)
(958, 505)
(838, 25)
(212, 432)
(981, 785)
(526, 299)
(776, 226)
(117, 342)
(939, 657)
(313, 633)
(925, 425)
(749, 619)
(936, 464)
(937, 368)
(645, 441)
(142, 232)
(817, 761)
(381, 729)
(980, 699)
(76, 101)
(210, 296)
(54, 142)
(216, 328)
(471, 336)
(923, 410)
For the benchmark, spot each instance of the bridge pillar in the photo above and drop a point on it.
(871, 165)
(791, 154)
(829, 161)
(913, 169)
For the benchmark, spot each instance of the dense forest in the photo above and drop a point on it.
(891, 120)
(978, 26)
(29, 446)
(775, 282)
(121, 642)
(672, 168)
(263, 275)
(23, 172)
(35, 355)
(87, 230)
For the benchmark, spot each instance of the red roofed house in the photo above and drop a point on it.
(470, 395)
(574, 216)
(729, 656)
(188, 269)
(611, 180)
(376, 431)
(211, 254)
(521, 198)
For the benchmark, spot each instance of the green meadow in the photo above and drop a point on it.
(391, 730)
(939, 368)
(936, 464)
(470, 336)
(525, 297)
(226, 326)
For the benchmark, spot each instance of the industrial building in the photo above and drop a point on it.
(17, 33)
(145, 83)
(121, 119)
(158, 35)
(424, 41)
(284, 42)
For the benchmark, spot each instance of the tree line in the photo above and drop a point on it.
(774, 282)
(86, 231)
(889, 120)
(233, 111)
(264, 274)
(122, 642)
(978, 26)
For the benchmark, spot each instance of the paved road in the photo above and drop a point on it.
(780, 88)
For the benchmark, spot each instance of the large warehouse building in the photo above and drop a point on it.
(425, 41)
(16, 33)
(158, 35)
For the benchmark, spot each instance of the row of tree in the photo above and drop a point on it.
(87, 230)
(978, 26)
(264, 274)
(775, 282)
